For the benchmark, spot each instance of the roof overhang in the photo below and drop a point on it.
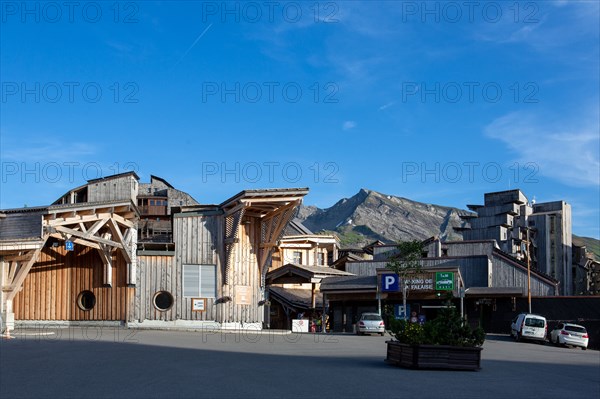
(298, 274)
(490, 292)
(260, 203)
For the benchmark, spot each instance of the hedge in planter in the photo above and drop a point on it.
(446, 342)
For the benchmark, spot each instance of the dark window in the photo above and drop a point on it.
(151, 202)
(575, 329)
(297, 258)
(531, 322)
(424, 254)
(163, 300)
(86, 300)
(444, 251)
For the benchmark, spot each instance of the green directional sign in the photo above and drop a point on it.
(444, 281)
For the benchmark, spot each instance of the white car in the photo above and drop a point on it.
(570, 334)
(529, 326)
(370, 323)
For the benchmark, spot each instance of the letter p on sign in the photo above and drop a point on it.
(389, 283)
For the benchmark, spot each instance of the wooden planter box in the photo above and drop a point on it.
(433, 356)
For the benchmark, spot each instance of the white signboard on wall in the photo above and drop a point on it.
(300, 325)
(242, 295)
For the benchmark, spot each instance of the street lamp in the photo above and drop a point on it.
(528, 272)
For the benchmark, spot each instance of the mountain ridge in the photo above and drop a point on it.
(369, 215)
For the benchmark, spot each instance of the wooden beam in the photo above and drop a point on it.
(23, 272)
(121, 220)
(258, 200)
(285, 215)
(236, 208)
(18, 257)
(88, 236)
(97, 226)
(76, 240)
(13, 266)
(106, 257)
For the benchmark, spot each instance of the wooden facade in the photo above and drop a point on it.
(312, 250)
(74, 260)
(77, 259)
(52, 287)
(237, 238)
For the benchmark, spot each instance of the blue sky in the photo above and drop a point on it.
(438, 102)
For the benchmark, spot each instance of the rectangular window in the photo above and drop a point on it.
(297, 258)
(200, 281)
(320, 259)
(152, 202)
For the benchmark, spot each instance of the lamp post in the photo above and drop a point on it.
(528, 270)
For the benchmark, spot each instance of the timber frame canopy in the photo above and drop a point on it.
(105, 226)
(274, 208)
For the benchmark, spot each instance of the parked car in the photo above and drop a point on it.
(570, 334)
(370, 323)
(529, 326)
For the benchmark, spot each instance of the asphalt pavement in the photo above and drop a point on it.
(115, 362)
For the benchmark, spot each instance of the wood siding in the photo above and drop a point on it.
(245, 272)
(52, 286)
(505, 275)
(199, 240)
(111, 189)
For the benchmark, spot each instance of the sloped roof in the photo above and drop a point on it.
(307, 273)
(295, 297)
(26, 225)
(349, 283)
(295, 227)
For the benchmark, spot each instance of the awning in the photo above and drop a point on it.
(295, 298)
(299, 274)
(489, 292)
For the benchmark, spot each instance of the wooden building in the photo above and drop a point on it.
(215, 276)
(74, 260)
(77, 260)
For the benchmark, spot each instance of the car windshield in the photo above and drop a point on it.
(575, 329)
(373, 317)
(531, 322)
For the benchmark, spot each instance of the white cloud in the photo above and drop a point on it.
(385, 106)
(349, 125)
(568, 153)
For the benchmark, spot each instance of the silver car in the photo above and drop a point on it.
(570, 334)
(370, 323)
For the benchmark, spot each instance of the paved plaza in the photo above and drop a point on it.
(113, 362)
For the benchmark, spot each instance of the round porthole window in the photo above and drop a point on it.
(86, 300)
(163, 300)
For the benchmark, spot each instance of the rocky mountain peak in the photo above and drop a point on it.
(370, 215)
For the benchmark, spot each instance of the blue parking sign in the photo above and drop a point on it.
(390, 282)
(69, 245)
(400, 313)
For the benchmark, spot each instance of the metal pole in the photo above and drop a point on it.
(528, 272)
(404, 298)
(378, 295)
(462, 296)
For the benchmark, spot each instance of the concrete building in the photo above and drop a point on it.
(540, 234)
(484, 275)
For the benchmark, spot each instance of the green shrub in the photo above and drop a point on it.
(448, 328)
